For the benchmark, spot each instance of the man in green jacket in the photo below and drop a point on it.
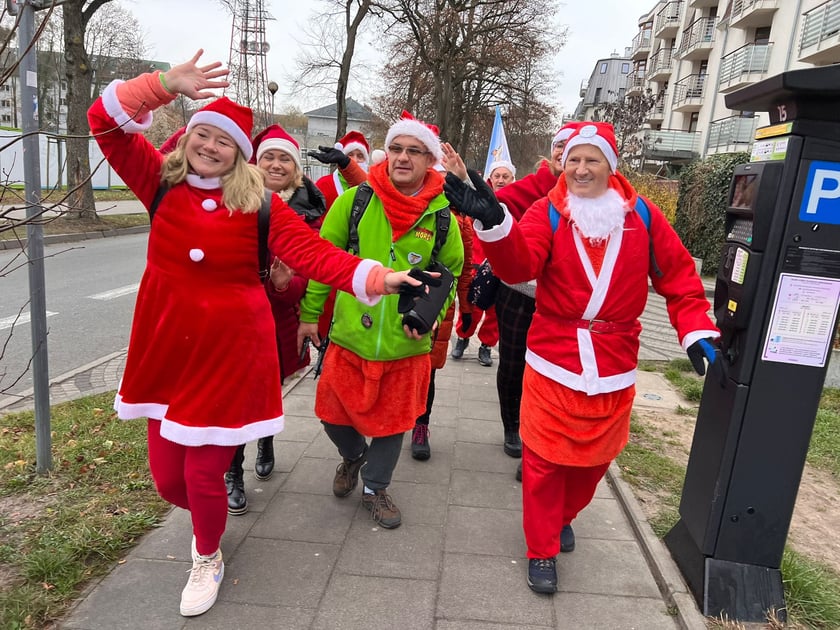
(376, 370)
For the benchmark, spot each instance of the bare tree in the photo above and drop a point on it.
(326, 55)
(452, 61)
(628, 115)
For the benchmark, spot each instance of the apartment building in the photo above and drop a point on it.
(693, 52)
(608, 82)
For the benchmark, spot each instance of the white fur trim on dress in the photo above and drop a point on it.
(209, 117)
(577, 382)
(360, 277)
(598, 141)
(220, 436)
(497, 232)
(115, 110)
(694, 335)
(415, 129)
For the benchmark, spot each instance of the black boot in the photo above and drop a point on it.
(513, 445)
(235, 484)
(264, 464)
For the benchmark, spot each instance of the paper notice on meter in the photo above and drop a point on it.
(801, 324)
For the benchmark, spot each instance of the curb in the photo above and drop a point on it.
(75, 237)
(662, 566)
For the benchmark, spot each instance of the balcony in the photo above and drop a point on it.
(667, 20)
(660, 65)
(702, 4)
(672, 145)
(820, 43)
(697, 40)
(636, 83)
(584, 85)
(657, 114)
(752, 13)
(732, 134)
(689, 92)
(746, 65)
(640, 48)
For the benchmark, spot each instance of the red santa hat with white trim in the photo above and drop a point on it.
(599, 134)
(275, 137)
(234, 119)
(408, 125)
(351, 141)
(565, 132)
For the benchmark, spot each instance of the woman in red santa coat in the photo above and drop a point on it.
(592, 260)
(202, 362)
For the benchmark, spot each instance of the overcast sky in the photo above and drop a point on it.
(175, 29)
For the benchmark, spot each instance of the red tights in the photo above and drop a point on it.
(552, 496)
(192, 477)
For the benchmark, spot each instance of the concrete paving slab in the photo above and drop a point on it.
(484, 531)
(315, 518)
(584, 610)
(478, 489)
(409, 552)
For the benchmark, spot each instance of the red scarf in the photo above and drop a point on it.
(401, 210)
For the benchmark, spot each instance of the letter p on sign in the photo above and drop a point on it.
(821, 202)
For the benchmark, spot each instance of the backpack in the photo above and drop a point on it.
(641, 209)
(263, 219)
(360, 203)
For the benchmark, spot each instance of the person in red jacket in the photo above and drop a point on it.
(277, 154)
(592, 255)
(201, 366)
(354, 149)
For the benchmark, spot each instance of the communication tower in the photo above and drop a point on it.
(247, 61)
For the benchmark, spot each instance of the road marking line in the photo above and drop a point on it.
(24, 318)
(115, 293)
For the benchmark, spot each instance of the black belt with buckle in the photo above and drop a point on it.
(597, 325)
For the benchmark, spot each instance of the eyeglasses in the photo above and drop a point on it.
(412, 152)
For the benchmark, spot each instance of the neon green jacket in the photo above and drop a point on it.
(375, 333)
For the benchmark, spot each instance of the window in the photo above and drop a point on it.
(625, 68)
(621, 92)
(603, 69)
(762, 35)
(6, 102)
(6, 118)
(692, 123)
(597, 95)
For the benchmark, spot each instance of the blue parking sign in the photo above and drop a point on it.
(821, 201)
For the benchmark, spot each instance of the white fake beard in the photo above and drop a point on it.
(596, 219)
(363, 166)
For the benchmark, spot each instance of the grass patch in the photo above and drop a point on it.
(59, 530)
(682, 376)
(812, 592)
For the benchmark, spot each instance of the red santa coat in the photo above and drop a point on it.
(560, 346)
(202, 354)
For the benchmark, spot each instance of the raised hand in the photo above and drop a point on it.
(192, 80)
(330, 155)
(478, 201)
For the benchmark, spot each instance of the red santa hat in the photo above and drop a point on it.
(599, 134)
(171, 142)
(235, 120)
(502, 164)
(275, 137)
(351, 141)
(565, 131)
(408, 125)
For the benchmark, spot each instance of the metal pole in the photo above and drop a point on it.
(34, 236)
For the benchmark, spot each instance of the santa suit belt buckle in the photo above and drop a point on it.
(598, 326)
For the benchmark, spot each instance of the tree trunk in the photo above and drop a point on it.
(352, 30)
(77, 70)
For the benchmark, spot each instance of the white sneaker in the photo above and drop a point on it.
(202, 588)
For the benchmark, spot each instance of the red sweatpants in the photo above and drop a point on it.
(488, 334)
(193, 478)
(552, 496)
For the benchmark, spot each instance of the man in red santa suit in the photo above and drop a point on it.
(351, 155)
(592, 264)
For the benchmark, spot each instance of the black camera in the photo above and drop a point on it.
(427, 307)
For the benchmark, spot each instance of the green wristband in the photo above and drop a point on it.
(163, 83)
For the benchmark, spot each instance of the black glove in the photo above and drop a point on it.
(330, 155)
(466, 322)
(708, 349)
(409, 293)
(479, 204)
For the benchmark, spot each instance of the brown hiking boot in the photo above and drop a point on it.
(347, 475)
(382, 509)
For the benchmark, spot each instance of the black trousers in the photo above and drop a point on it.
(382, 455)
(514, 312)
(430, 400)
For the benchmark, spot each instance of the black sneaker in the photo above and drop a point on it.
(484, 355)
(512, 445)
(420, 448)
(347, 475)
(237, 501)
(382, 509)
(519, 473)
(264, 463)
(460, 346)
(567, 539)
(542, 575)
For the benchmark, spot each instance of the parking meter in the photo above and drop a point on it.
(776, 302)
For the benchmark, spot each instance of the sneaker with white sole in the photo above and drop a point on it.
(202, 588)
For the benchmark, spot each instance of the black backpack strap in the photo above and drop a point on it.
(360, 203)
(442, 220)
(159, 193)
(263, 220)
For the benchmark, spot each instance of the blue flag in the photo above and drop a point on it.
(498, 143)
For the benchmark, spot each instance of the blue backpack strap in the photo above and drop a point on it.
(553, 216)
(644, 212)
